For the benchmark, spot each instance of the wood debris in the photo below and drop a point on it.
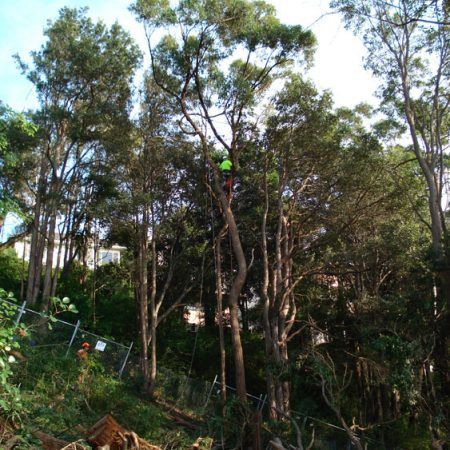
(51, 443)
(108, 433)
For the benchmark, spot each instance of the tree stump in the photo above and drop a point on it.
(107, 432)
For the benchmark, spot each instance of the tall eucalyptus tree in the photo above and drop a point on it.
(217, 60)
(409, 50)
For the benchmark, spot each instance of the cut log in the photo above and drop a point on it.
(52, 443)
(107, 432)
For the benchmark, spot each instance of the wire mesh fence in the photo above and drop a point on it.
(68, 337)
(189, 393)
(199, 396)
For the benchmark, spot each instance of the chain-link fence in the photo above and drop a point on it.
(199, 396)
(68, 337)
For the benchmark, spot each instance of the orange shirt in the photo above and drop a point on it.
(82, 353)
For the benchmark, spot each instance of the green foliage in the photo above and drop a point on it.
(113, 309)
(11, 271)
(64, 396)
(363, 311)
(11, 405)
(17, 139)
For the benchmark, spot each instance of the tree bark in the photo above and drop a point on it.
(279, 306)
(35, 262)
(46, 290)
(153, 309)
(219, 294)
(239, 280)
(143, 298)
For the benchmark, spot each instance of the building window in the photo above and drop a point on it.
(108, 256)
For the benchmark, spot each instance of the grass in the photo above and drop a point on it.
(64, 398)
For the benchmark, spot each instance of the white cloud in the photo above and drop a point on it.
(338, 60)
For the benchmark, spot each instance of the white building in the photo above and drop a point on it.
(104, 255)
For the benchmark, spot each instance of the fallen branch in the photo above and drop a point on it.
(184, 423)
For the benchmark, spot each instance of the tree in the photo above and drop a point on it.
(411, 54)
(154, 215)
(297, 176)
(82, 76)
(17, 163)
(192, 64)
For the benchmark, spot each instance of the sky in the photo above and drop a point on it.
(338, 61)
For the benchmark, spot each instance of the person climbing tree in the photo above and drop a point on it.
(225, 167)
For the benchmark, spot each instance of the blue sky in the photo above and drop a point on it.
(338, 61)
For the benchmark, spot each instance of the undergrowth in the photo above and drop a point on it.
(64, 397)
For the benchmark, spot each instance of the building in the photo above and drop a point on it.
(104, 255)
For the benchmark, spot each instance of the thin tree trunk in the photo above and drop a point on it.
(94, 277)
(439, 242)
(239, 280)
(143, 298)
(57, 269)
(233, 299)
(219, 294)
(35, 261)
(49, 262)
(153, 309)
(269, 344)
(22, 276)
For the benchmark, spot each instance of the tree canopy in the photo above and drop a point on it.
(313, 273)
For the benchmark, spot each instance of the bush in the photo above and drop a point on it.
(11, 405)
(11, 271)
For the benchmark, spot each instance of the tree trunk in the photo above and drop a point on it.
(143, 299)
(439, 243)
(46, 291)
(239, 280)
(233, 299)
(57, 267)
(277, 392)
(153, 310)
(35, 263)
(219, 294)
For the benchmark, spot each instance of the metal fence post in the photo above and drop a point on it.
(125, 361)
(259, 402)
(21, 313)
(263, 402)
(73, 337)
(210, 392)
